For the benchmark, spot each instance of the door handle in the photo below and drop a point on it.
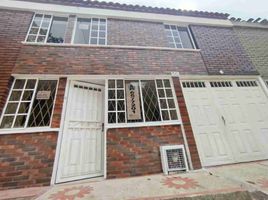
(223, 119)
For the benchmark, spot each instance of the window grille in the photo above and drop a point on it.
(47, 28)
(26, 107)
(156, 101)
(221, 84)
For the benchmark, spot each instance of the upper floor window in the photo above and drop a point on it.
(30, 104)
(91, 31)
(47, 29)
(179, 37)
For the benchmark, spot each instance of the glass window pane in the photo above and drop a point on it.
(120, 84)
(43, 31)
(186, 41)
(163, 103)
(102, 34)
(103, 27)
(20, 121)
(150, 101)
(94, 33)
(102, 41)
(120, 105)
(121, 117)
(34, 31)
(41, 39)
(30, 84)
(169, 93)
(19, 84)
(167, 83)
(120, 94)
(24, 107)
(173, 115)
(159, 83)
(111, 84)
(161, 93)
(94, 41)
(111, 106)
(112, 118)
(31, 38)
(82, 31)
(7, 122)
(11, 108)
(15, 96)
(171, 103)
(41, 112)
(27, 95)
(165, 115)
(37, 20)
(57, 30)
(111, 94)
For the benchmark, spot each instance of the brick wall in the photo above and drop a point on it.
(94, 60)
(255, 42)
(14, 26)
(135, 151)
(136, 33)
(26, 159)
(222, 50)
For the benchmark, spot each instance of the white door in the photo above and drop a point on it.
(229, 120)
(81, 154)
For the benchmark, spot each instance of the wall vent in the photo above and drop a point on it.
(173, 158)
(193, 84)
(246, 83)
(221, 84)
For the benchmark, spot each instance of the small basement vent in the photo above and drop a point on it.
(173, 158)
(221, 84)
(246, 83)
(193, 84)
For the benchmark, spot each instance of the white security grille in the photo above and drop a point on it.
(193, 84)
(246, 83)
(173, 158)
(221, 84)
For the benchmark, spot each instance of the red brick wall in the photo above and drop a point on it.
(222, 50)
(136, 33)
(94, 60)
(26, 159)
(14, 26)
(135, 151)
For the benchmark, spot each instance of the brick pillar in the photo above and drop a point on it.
(187, 124)
(69, 29)
(59, 103)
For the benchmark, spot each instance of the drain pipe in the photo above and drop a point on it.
(175, 75)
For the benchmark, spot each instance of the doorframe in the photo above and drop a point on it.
(53, 180)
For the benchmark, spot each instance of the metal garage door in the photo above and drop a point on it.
(229, 120)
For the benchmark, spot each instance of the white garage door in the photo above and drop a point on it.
(229, 120)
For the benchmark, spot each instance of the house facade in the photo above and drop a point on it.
(92, 89)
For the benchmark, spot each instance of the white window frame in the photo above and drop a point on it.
(189, 33)
(90, 18)
(48, 30)
(143, 123)
(25, 128)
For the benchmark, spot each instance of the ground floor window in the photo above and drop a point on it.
(134, 101)
(30, 104)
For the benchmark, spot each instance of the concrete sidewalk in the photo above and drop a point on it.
(216, 180)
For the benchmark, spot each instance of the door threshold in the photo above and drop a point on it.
(84, 180)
